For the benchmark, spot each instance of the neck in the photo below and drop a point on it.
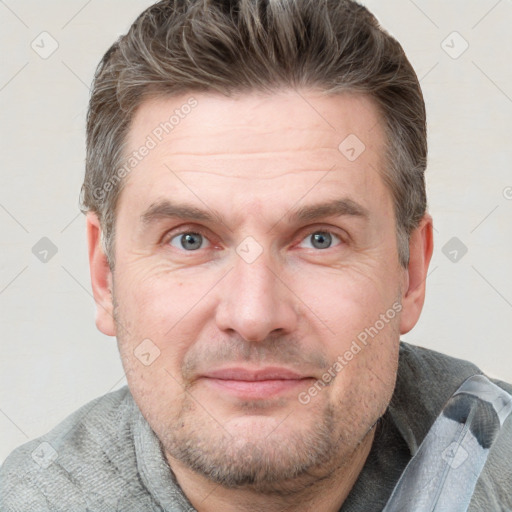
(324, 491)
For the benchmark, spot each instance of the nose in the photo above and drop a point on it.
(256, 301)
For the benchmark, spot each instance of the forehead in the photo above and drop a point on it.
(255, 147)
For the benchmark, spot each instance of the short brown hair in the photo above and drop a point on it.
(233, 46)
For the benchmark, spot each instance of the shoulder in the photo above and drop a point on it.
(433, 377)
(434, 367)
(494, 488)
(91, 446)
(425, 381)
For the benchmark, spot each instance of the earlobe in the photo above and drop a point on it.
(101, 277)
(421, 245)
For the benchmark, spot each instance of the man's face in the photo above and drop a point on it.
(253, 253)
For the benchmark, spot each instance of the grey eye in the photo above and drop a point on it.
(320, 240)
(188, 241)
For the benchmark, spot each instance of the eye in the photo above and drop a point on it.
(320, 240)
(190, 241)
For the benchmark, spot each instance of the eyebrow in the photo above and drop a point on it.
(335, 208)
(165, 209)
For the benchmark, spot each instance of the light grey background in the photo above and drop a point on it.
(52, 357)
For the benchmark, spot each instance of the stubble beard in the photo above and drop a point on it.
(282, 462)
(270, 463)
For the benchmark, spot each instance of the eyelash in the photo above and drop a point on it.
(183, 231)
(193, 229)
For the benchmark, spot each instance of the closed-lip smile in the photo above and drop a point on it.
(255, 383)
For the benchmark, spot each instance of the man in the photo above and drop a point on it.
(258, 241)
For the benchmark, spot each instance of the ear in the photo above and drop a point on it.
(421, 245)
(101, 277)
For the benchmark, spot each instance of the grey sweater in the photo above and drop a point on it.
(105, 457)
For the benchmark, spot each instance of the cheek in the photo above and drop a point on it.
(152, 368)
(156, 299)
(364, 385)
(362, 339)
(346, 300)
(157, 316)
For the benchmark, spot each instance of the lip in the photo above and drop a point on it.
(255, 383)
(256, 374)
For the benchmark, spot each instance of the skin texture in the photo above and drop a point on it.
(251, 161)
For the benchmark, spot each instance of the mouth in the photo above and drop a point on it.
(255, 384)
